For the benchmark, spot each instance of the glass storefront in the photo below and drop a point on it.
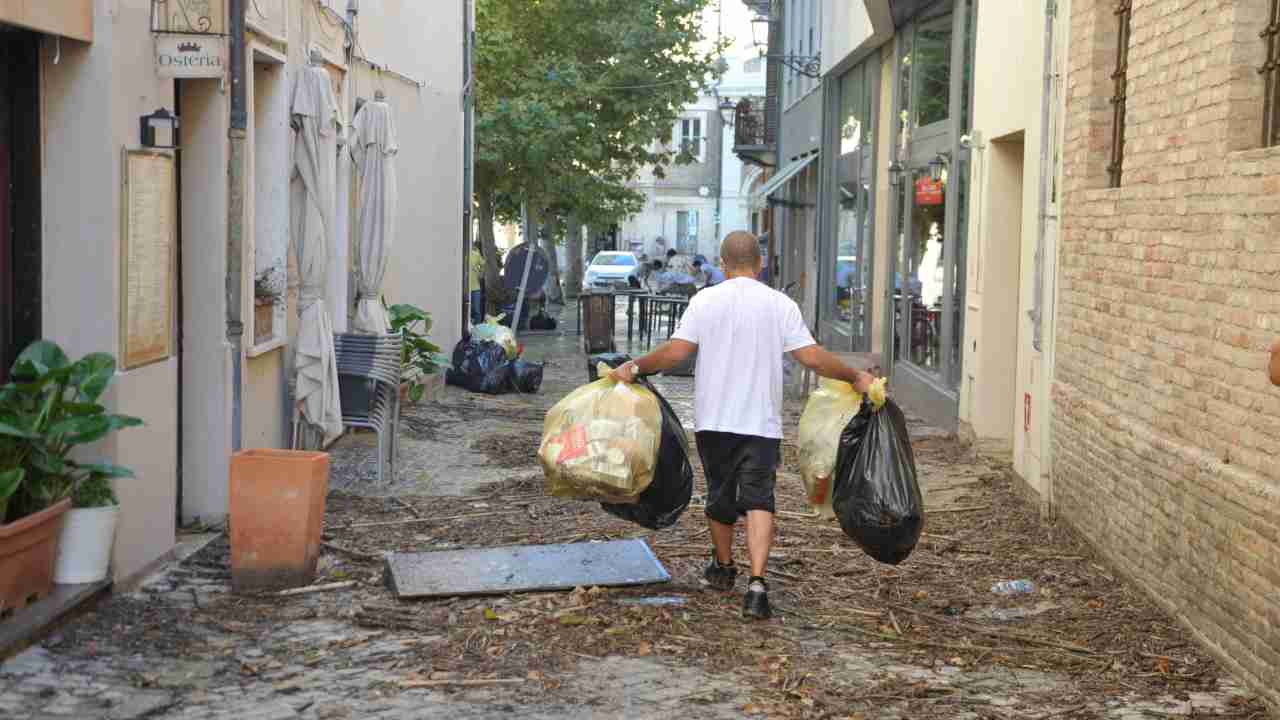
(849, 231)
(930, 206)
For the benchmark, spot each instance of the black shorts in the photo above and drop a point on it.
(741, 473)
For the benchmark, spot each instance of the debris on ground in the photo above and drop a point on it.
(852, 638)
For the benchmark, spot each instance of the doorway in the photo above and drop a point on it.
(20, 254)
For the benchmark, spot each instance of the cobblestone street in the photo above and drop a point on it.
(853, 640)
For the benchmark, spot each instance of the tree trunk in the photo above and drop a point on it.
(489, 246)
(554, 293)
(573, 250)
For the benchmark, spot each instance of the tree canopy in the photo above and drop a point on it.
(572, 97)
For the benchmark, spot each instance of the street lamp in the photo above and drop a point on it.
(760, 30)
(160, 119)
(727, 110)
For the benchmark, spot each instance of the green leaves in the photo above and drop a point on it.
(95, 491)
(10, 481)
(91, 375)
(49, 411)
(418, 352)
(572, 95)
(41, 358)
(406, 316)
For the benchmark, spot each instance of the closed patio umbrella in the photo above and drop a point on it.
(373, 147)
(315, 112)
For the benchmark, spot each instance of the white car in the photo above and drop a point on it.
(612, 270)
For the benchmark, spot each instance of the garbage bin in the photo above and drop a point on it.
(597, 323)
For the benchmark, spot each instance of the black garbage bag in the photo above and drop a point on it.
(526, 377)
(876, 495)
(668, 496)
(480, 366)
(542, 321)
(613, 360)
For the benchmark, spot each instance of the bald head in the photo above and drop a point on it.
(740, 253)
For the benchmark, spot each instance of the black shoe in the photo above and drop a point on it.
(720, 577)
(756, 603)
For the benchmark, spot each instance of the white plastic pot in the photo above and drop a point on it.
(84, 548)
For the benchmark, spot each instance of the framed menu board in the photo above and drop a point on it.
(147, 258)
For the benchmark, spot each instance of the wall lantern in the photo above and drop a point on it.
(727, 111)
(161, 120)
(938, 166)
(760, 25)
(895, 174)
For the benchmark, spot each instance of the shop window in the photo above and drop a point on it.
(849, 271)
(931, 63)
(1270, 72)
(1120, 77)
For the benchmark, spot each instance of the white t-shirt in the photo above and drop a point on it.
(742, 329)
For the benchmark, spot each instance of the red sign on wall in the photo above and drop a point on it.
(1026, 413)
(928, 191)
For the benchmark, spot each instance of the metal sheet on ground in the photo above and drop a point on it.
(525, 568)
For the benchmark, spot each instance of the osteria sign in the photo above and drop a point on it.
(190, 56)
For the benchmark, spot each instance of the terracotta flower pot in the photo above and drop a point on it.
(277, 513)
(28, 548)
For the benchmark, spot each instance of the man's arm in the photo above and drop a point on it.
(1275, 363)
(666, 356)
(827, 365)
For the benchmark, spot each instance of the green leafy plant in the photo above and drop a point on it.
(49, 409)
(420, 356)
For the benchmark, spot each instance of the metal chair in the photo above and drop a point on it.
(369, 368)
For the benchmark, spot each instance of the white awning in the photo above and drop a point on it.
(781, 177)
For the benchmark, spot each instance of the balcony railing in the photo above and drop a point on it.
(751, 126)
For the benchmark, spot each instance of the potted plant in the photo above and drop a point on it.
(268, 293)
(421, 362)
(49, 409)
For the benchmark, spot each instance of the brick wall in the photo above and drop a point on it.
(1166, 433)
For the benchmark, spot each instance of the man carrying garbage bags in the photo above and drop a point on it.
(740, 329)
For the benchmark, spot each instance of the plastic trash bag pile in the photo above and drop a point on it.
(876, 495)
(484, 366)
(829, 409)
(857, 465)
(601, 442)
(619, 444)
(624, 446)
(492, 330)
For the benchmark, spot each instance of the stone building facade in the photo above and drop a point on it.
(82, 77)
(1166, 431)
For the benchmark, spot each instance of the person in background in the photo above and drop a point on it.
(643, 272)
(678, 262)
(1275, 363)
(712, 274)
(673, 281)
(477, 284)
(741, 329)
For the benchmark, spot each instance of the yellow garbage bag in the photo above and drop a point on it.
(601, 441)
(493, 330)
(829, 409)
